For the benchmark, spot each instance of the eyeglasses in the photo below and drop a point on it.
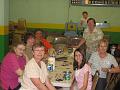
(39, 50)
(21, 49)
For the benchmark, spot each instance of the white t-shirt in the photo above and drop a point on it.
(32, 70)
(97, 63)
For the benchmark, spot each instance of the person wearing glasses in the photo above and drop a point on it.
(12, 67)
(35, 75)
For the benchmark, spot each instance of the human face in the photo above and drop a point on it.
(103, 47)
(38, 53)
(31, 41)
(85, 15)
(91, 24)
(38, 34)
(78, 57)
(19, 50)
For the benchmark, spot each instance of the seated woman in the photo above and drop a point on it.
(82, 73)
(102, 61)
(39, 38)
(35, 76)
(12, 67)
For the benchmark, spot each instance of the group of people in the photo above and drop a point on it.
(99, 61)
(22, 68)
(27, 61)
(95, 59)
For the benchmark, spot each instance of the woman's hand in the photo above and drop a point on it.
(71, 87)
(105, 69)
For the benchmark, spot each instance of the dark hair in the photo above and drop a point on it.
(42, 32)
(92, 20)
(39, 29)
(37, 45)
(75, 63)
(15, 45)
(84, 12)
(27, 36)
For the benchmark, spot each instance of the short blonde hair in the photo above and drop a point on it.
(103, 41)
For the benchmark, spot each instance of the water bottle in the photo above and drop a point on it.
(51, 63)
(67, 75)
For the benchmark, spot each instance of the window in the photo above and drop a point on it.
(96, 2)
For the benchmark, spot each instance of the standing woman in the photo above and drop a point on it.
(82, 73)
(35, 76)
(91, 37)
(83, 21)
(12, 67)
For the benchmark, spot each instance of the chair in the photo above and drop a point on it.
(12, 26)
(112, 78)
(71, 29)
(95, 80)
(21, 24)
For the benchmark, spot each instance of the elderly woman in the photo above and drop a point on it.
(12, 67)
(102, 61)
(35, 76)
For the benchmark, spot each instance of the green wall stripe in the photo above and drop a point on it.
(3, 46)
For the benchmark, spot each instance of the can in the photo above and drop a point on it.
(50, 67)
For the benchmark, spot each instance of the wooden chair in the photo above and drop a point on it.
(112, 78)
(95, 80)
(21, 24)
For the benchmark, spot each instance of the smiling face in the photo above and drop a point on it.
(102, 47)
(78, 57)
(91, 24)
(19, 50)
(38, 53)
(38, 34)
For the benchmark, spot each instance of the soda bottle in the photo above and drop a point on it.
(67, 75)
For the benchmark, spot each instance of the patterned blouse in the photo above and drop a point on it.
(92, 39)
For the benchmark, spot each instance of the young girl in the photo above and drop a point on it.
(82, 74)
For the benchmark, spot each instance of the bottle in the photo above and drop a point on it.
(50, 67)
(51, 63)
(67, 75)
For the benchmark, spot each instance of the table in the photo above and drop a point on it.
(57, 76)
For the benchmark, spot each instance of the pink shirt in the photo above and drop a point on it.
(79, 76)
(8, 67)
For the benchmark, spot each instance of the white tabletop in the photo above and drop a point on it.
(57, 76)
